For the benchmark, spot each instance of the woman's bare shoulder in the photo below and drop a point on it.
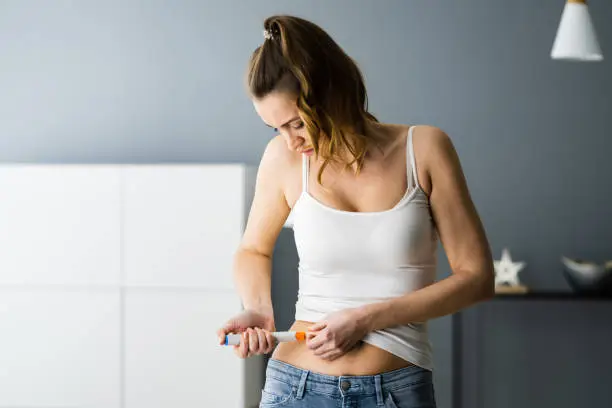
(433, 148)
(281, 166)
(278, 156)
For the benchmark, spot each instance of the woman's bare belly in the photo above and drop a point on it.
(363, 359)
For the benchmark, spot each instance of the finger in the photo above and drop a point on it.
(229, 326)
(317, 326)
(311, 336)
(261, 339)
(318, 340)
(221, 336)
(243, 348)
(331, 351)
(238, 347)
(332, 355)
(324, 349)
(234, 326)
(329, 346)
(270, 340)
(253, 341)
(314, 342)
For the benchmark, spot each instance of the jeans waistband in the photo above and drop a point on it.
(378, 384)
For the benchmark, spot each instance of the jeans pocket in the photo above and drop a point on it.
(416, 395)
(389, 403)
(276, 393)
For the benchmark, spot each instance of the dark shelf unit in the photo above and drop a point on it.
(457, 327)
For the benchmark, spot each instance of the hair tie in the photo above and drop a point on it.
(268, 34)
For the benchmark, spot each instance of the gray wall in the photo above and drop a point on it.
(151, 82)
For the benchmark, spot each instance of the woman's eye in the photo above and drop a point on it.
(298, 125)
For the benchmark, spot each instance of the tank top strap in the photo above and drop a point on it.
(411, 170)
(305, 171)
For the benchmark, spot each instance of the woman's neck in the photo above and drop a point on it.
(378, 137)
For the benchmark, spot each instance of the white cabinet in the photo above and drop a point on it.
(182, 225)
(172, 358)
(60, 225)
(113, 281)
(60, 348)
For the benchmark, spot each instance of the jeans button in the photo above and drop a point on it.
(345, 385)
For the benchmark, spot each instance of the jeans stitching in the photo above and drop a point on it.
(286, 399)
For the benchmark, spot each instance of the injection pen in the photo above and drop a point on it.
(234, 339)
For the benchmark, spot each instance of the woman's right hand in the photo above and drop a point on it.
(255, 328)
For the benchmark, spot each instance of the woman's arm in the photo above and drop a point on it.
(462, 236)
(252, 261)
(269, 210)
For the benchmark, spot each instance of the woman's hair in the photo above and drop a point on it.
(300, 57)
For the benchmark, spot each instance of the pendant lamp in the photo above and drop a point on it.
(576, 39)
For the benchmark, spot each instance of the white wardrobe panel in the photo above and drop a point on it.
(59, 224)
(59, 348)
(182, 224)
(172, 358)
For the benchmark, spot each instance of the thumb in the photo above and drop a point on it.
(221, 333)
(230, 327)
(233, 326)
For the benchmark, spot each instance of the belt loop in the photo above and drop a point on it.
(379, 395)
(302, 385)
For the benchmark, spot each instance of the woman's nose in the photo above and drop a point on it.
(295, 142)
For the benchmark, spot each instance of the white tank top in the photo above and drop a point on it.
(348, 259)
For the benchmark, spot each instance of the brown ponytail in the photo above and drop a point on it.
(300, 57)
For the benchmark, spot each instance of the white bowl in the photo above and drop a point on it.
(588, 277)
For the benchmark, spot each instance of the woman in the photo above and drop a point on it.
(369, 202)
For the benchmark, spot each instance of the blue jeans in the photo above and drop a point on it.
(292, 387)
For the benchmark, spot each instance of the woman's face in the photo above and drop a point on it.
(279, 111)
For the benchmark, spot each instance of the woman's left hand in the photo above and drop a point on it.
(337, 333)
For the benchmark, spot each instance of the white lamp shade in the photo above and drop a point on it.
(576, 38)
